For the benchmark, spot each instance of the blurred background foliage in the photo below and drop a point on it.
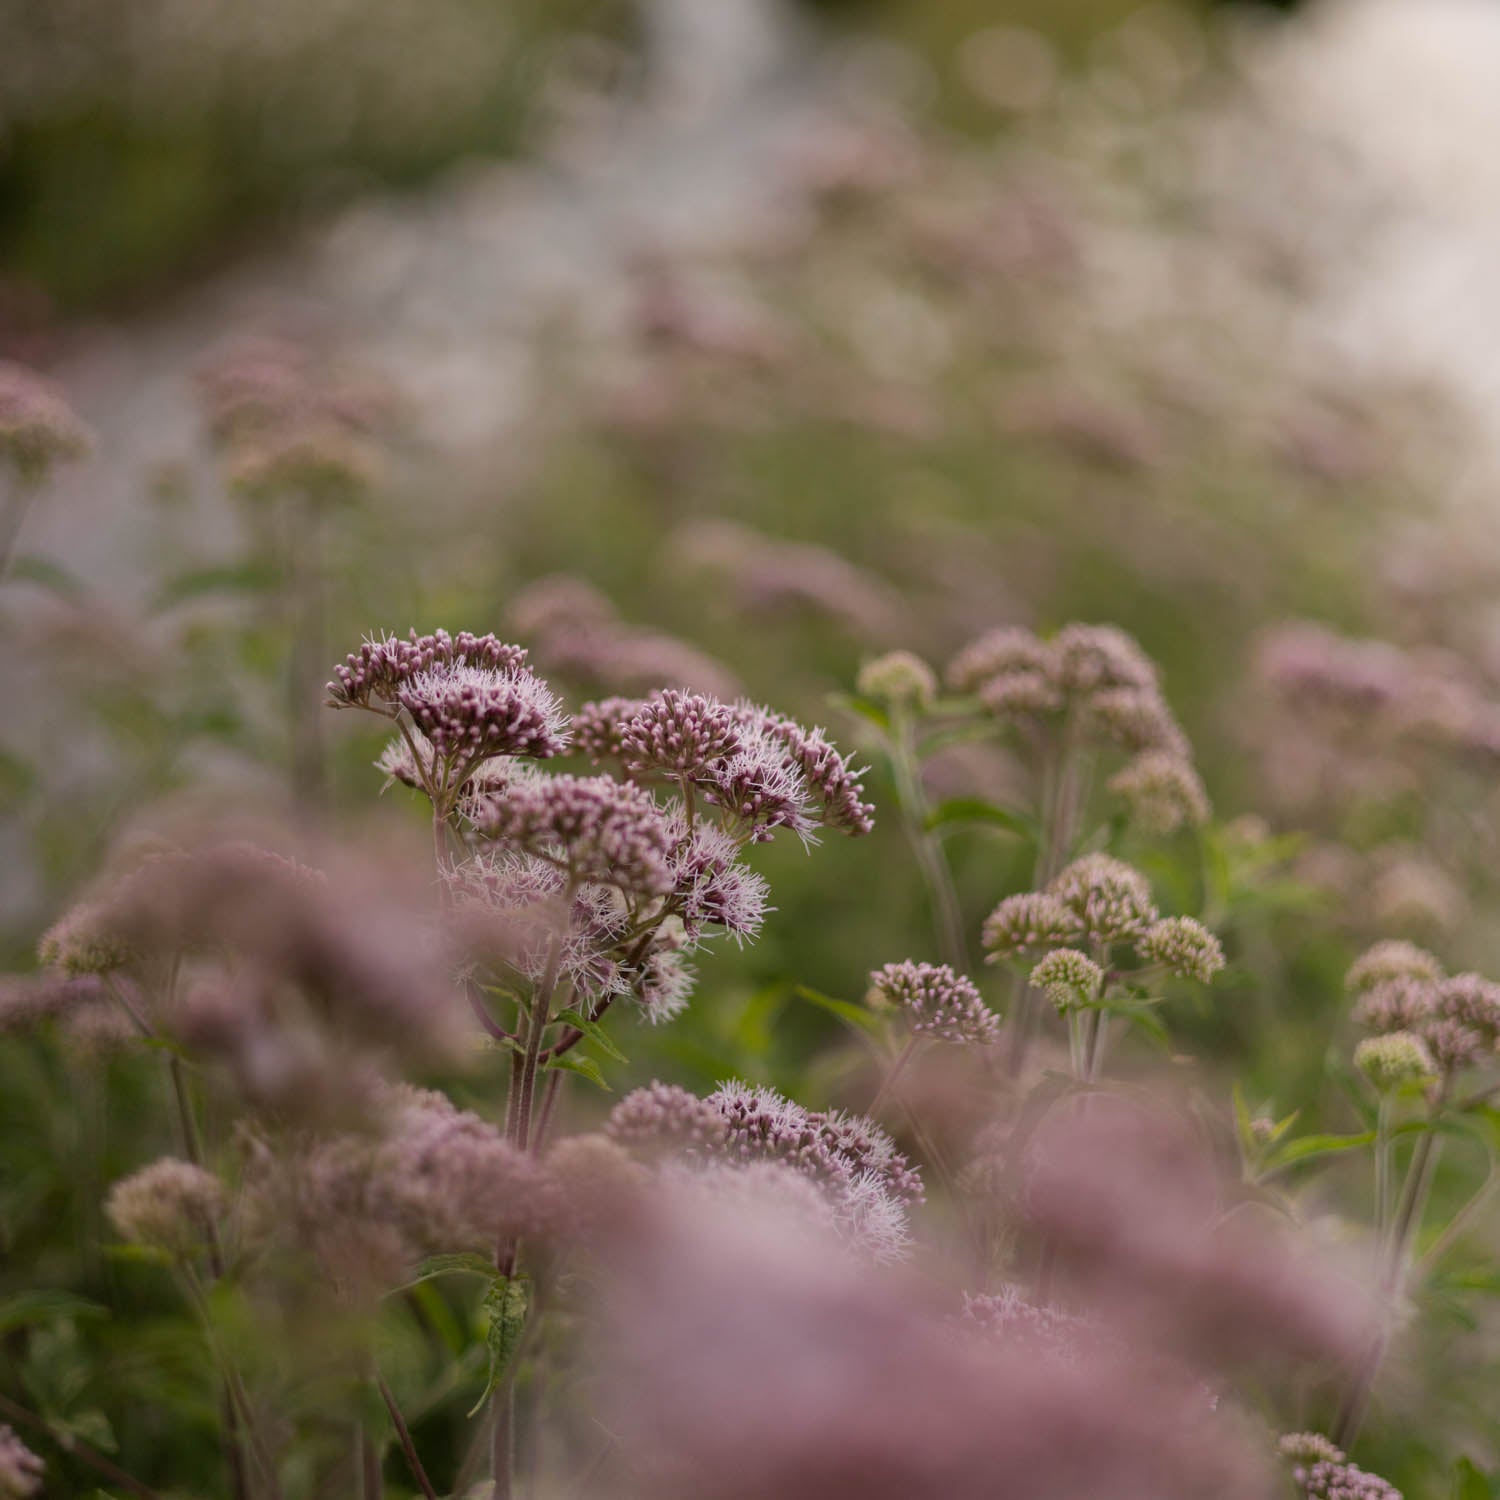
(932, 396)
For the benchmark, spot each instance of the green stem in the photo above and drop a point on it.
(1396, 1254)
(76, 1448)
(1383, 1166)
(17, 502)
(370, 1483)
(403, 1436)
(902, 1058)
(1059, 810)
(936, 875)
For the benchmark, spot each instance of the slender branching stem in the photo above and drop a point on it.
(75, 1447)
(892, 1073)
(192, 1145)
(17, 501)
(1060, 806)
(371, 1483)
(403, 1436)
(1396, 1245)
(306, 585)
(926, 846)
(1383, 1165)
(549, 1104)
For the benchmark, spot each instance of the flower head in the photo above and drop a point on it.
(664, 1118)
(37, 426)
(467, 711)
(598, 829)
(1398, 1004)
(1005, 651)
(898, 677)
(759, 788)
(1396, 1058)
(679, 734)
(1110, 899)
(829, 779)
(20, 1469)
(380, 668)
(1028, 921)
(1308, 1448)
(937, 1002)
(1393, 959)
(713, 886)
(1069, 979)
(599, 727)
(1137, 719)
(170, 1205)
(1163, 791)
(1184, 946)
(84, 941)
(1473, 1000)
(1090, 657)
(664, 985)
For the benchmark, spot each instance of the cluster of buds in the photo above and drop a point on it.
(1321, 1471)
(1426, 1023)
(866, 1185)
(288, 424)
(935, 1002)
(1090, 686)
(1102, 903)
(607, 882)
(38, 428)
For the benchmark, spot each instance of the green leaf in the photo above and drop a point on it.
(198, 583)
(593, 1031)
(1470, 1482)
(1306, 1147)
(864, 708)
(1243, 1124)
(48, 575)
(586, 1067)
(23, 1308)
(958, 811)
(865, 1022)
(143, 1255)
(507, 1301)
(446, 1265)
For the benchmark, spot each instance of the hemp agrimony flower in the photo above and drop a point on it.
(1069, 979)
(935, 1002)
(592, 827)
(1028, 921)
(679, 734)
(1397, 1058)
(1110, 900)
(171, 1206)
(20, 1469)
(899, 678)
(1184, 946)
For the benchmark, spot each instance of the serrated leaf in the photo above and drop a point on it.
(1306, 1147)
(507, 1301)
(23, 1308)
(955, 812)
(594, 1032)
(586, 1067)
(864, 1021)
(447, 1265)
